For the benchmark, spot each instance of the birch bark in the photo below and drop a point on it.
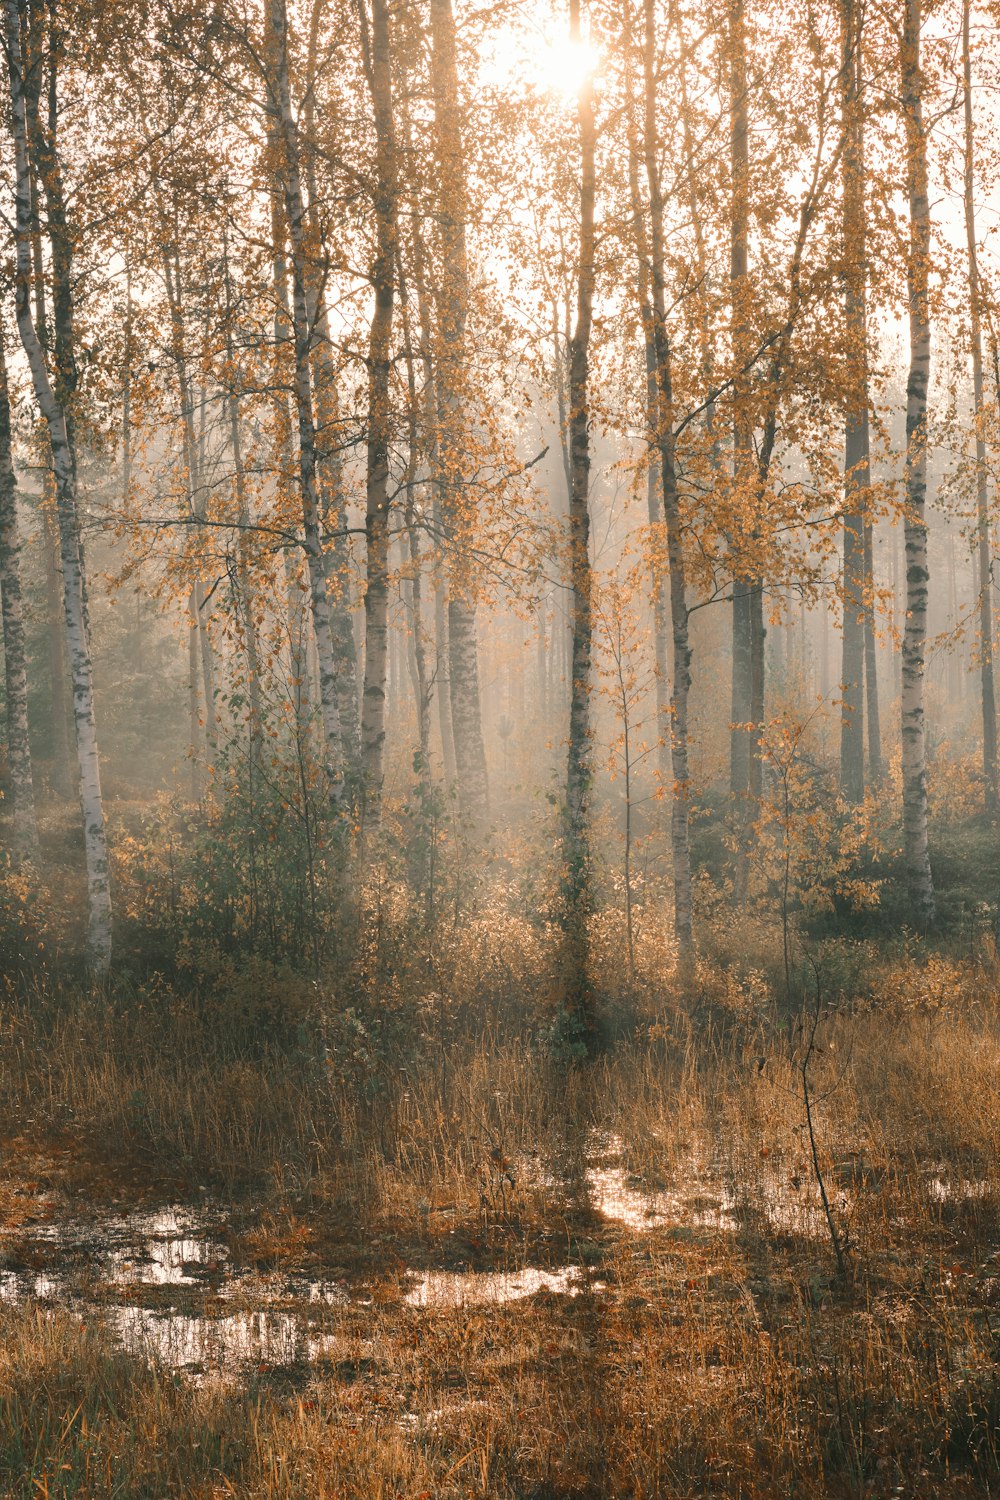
(302, 332)
(576, 841)
(856, 437)
(985, 569)
(99, 930)
(25, 830)
(377, 47)
(681, 683)
(915, 813)
(452, 374)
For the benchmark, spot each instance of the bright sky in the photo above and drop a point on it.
(539, 56)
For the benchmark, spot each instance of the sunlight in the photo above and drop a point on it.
(565, 66)
(559, 66)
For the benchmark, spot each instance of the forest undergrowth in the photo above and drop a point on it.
(767, 1200)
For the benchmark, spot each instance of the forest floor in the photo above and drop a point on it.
(499, 1276)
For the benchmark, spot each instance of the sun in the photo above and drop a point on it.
(542, 63)
(564, 67)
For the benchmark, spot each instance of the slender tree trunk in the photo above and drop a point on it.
(333, 506)
(741, 735)
(873, 711)
(295, 209)
(655, 471)
(985, 579)
(207, 656)
(174, 284)
(40, 154)
(95, 837)
(576, 840)
(25, 830)
(681, 685)
(413, 585)
(758, 674)
(38, 266)
(337, 550)
(296, 595)
(451, 386)
(63, 776)
(856, 440)
(442, 674)
(541, 663)
(246, 602)
(377, 51)
(39, 62)
(915, 815)
(194, 699)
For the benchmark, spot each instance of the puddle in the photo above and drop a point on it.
(443, 1289)
(615, 1194)
(165, 1285)
(215, 1346)
(697, 1199)
(19, 1286)
(965, 1189)
(700, 1197)
(166, 1252)
(122, 1269)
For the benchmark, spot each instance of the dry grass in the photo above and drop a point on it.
(713, 1350)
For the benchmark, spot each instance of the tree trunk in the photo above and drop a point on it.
(451, 387)
(985, 579)
(871, 664)
(333, 507)
(200, 647)
(741, 734)
(296, 595)
(377, 50)
(681, 684)
(576, 840)
(442, 676)
(25, 830)
(413, 584)
(302, 335)
(915, 815)
(63, 777)
(246, 602)
(95, 837)
(856, 441)
(194, 699)
(654, 476)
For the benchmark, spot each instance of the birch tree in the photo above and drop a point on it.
(856, 437)
(452, 376)
(25, 831)
(53, 409)
(987, 689)
(576, 838)
(915, 811)
(290, 175)
(670, 498)
(376, 44)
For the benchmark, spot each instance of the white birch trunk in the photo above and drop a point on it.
(452, 374)
(376, 43)
(915, 814)
(25, 830)
(302, 333)
(984, 581)
(95, 837)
